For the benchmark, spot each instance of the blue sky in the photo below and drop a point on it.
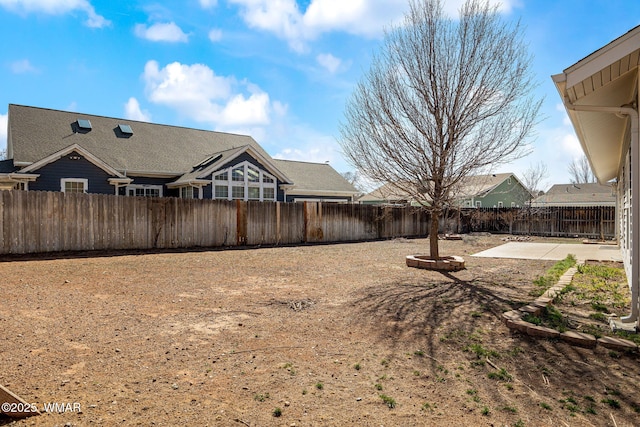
(278, 70)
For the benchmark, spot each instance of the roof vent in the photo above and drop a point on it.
(84, 124)
(125, 129)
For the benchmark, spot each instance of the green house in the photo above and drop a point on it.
(503, 190)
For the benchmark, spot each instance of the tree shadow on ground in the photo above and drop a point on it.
(445, 315)
(422, 312)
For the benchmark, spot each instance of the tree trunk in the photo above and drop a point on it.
(433, 236)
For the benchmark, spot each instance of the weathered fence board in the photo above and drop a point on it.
(592, 222)
(36, 221)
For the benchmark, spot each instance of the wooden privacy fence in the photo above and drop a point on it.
(598, 222)
(34, 221)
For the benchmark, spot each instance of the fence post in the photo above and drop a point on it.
(241, 223)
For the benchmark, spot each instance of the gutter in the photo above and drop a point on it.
(632, 113)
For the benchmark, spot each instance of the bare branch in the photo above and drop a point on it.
(443, 99)
(580, 171)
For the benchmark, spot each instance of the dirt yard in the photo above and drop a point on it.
(329, 335)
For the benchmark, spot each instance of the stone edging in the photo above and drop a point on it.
(451, 263)
(513, 320)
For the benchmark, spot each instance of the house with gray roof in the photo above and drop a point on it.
(577, 195)
(502, 190)
(53, 150)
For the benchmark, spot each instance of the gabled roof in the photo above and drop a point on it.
(594, 90)
(579, 195)
(471, 186)
(481, 185)
(314, 177)
(36, 133)
(215, 161)
(389, 193)
(67, 150)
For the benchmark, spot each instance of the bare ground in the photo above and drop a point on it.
(321, 332)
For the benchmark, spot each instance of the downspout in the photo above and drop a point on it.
(632, 113)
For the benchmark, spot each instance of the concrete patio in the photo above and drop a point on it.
(553, 251)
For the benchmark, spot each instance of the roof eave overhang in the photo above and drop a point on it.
(189, 183)
(595, 91)
(14, 177)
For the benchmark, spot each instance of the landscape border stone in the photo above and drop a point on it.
(513, 320)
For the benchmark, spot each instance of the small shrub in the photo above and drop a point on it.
(261, 397)
(378, 387)
(319, 385)
(485, 411)
(389, 401)
(501, 375)
(546, 406)
(600, 317)
(612, 402)
(357, 367)
(277, 412)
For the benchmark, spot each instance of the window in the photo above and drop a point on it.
(269, 193)
(478, 204)
(513, 204)
(222, 192)
(237, 174)
(186, 192)
(500, 205)
(509, 181)
(74, 185)
(247, 182)
(254, 175)
(254, 193)
(237, 192)
(144, 190)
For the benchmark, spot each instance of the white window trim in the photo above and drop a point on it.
(138, 186)
(500, 205)
(478, 204)
(230, 183)
(84, 181)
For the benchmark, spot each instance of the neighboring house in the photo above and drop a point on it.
(600, 94)
(479, 191)
(501, 190)
(388, 194)
(577, 195)
(55, 150)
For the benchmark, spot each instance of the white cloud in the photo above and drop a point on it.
(22, 66)
(132, 111)
(4, 118)
(161, 32)
(198, 93)
(360, 17)
(328, 61)
(208, 4)
(57, 7)
(215, 35)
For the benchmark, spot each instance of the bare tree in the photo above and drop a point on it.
(534, 177)
(353, 178)
(3, 154)
(580, 171)
(443, 99)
